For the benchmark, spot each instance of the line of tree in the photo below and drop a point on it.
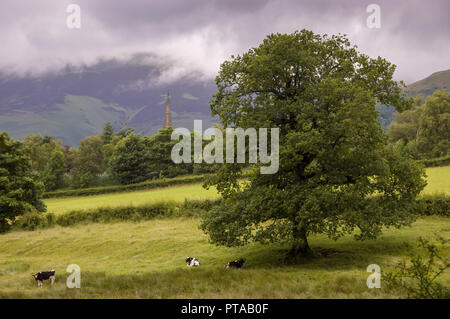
(122, 157)
(38, 164)
(423, 132)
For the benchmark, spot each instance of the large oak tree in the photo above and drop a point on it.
(337, 173)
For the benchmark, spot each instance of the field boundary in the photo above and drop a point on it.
(151, 184)
(188, 208)
(436, 162)
(426, 205)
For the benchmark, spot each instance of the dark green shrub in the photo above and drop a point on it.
(34, 220)
(128, 213)
(438, 161)
(157, 183)
(434, 205)
(199, 205)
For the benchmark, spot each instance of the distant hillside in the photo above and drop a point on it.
(75, 103)
(436, 81)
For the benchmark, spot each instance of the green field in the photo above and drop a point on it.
(146, 259)
(173, 193)
(438, 182)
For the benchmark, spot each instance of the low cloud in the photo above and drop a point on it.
(192, 38)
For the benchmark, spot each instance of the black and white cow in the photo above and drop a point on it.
(192, 262)
(235, 264)
(44, 275)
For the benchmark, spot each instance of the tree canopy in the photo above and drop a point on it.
(130, 160)
(53, 175)
(20, 189)
(424, 130)
(336, 173)
(40, 149)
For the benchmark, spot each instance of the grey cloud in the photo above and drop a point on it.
(197, 35)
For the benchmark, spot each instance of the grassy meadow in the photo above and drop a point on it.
(146, 259)
(173, 193)
(438, 182)
(438, 179)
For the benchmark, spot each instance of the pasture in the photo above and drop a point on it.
(173, 193)
(438, 182)
(146, 259)
(438, 179)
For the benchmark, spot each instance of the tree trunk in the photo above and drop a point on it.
(300, 246)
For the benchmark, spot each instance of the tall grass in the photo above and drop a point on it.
(146, 260)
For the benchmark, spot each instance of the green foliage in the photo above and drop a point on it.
(405, 125)
(418, 277)
(424, 131)
(108, 132)
(19, 189)
(134, 158)
(433, 137)
(165, 182)
(434, 162)
(41, 149)
(108, 149)
(87, 161)
(322, 95)
(160, 146)
(53, 175)
(130, 161)
(385, 115)
(434, 205)
(146, 260)
(33, 221)
(83, 179)
(88, 158)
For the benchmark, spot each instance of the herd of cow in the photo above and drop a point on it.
(193, 262)
(190, 262)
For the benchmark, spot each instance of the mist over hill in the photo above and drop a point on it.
(77, 101)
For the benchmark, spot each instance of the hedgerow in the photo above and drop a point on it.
(188, 208)
(434, 162)
(435, 205)
(157, 183)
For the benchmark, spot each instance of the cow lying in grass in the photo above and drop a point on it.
(44, 275)
(235, 264)
(192, 262)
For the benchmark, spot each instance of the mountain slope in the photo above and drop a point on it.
(436, 81)
(75, 103)
(70, 121)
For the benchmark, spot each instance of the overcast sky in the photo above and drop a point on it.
(197, 35)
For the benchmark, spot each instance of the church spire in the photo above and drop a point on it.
(168, 115)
